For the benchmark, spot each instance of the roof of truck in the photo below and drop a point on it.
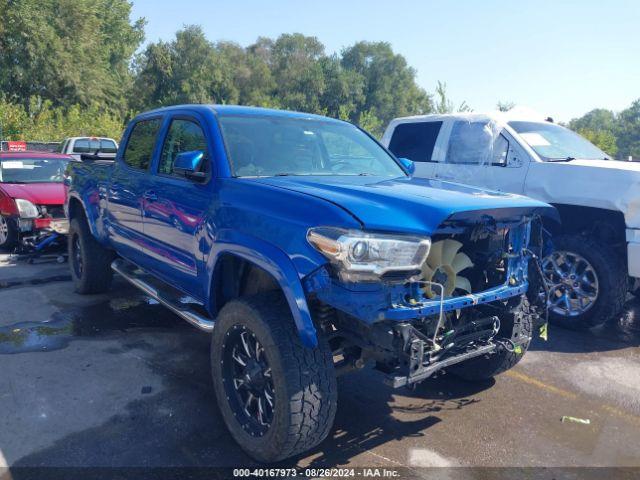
(238, 110)
(89, 137)
(516, 113)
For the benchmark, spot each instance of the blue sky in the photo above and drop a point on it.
(562, 58)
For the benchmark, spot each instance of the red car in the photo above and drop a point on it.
(32, 195)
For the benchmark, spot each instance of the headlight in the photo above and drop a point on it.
(362, 256)
(26, 209)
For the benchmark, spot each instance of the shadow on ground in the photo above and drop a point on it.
(367, 417)
(180, 424)
(617, 334)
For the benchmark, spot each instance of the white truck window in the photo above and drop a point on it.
(500, 151)
(86, 145)
(108, 146)
(415, 140)
(471, 143)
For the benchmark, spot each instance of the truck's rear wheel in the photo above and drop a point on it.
(588, 282)
(278, 398)
(516, 323)
(90, 262)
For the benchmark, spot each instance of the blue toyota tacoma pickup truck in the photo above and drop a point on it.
(305, 249)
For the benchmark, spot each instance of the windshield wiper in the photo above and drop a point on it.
(565, 159)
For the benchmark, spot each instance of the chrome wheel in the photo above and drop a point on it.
(247, 380)
(572, 281)
(4, 230)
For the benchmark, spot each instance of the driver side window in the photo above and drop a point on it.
(500, 151)
(183, 136)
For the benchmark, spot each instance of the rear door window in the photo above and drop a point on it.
(140, 145)
(415, 140)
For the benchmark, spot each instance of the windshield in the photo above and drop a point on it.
(553, 142)
(32, 170)
(271, 146)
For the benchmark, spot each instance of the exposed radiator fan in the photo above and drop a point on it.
(444, 263)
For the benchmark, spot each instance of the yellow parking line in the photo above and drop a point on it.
(537, 383)
(566, 394)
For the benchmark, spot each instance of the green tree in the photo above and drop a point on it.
(597, 120)
(605, 140)
(389, 86)
(628, 131)
(67, 51)
(443, 104)
(295, 61)
(49, 123)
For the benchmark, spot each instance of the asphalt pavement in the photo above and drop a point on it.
(116, 380)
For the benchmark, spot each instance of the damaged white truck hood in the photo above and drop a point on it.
(608, 184)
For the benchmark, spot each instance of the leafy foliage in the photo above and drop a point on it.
(443, 102)
(616, 134)
(628, 131)
(67, 51)
(368, 84)
(44, 122)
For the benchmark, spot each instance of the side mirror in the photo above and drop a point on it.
(189, 163)
(408, 165)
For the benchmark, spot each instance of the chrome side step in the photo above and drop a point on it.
(166, 297)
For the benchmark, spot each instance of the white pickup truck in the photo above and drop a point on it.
(596, 252)
(78, 146)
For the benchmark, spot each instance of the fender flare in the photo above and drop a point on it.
(73, 196)
(91, 214)
(275, 262)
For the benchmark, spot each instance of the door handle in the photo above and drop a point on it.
(150, 196)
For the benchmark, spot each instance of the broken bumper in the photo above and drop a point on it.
(388, 302)
(39, 225)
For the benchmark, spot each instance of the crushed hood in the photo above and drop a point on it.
(412, 205)
(608, 184)
(36, 193)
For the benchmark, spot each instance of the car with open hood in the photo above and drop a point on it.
(305, 250)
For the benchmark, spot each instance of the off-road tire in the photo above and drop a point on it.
(12, 234)
(304, 378)
(613, 282)
(516, 323)
(95, 275)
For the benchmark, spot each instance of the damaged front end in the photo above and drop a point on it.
(462, 302)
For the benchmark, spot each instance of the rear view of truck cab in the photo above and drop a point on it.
(305, 250)
(594, 256)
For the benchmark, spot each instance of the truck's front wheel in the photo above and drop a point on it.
(90, 262)
(516, 323)
(278, 398)
(588, 282)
